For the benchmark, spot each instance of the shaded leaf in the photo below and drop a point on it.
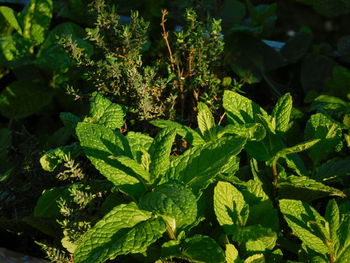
(193, 250)
(187, 133)
(14, 102)
(300, 216)
(305, 188)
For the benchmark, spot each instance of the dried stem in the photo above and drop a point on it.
(165, 36)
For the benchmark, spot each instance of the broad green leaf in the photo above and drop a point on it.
(175, 203)
(331, 106)
(124, 230)
(105, 112)
(294, 162)
(198, 166)
(139, 143)
(333, 218)
(47, 204)
(305, 188)
(134, 166)
(14, 102)
(190, 135)
(70, 120)
(265, 149)
(13, 48)
(282, 112)
(231, 254)
(206, 123)
(99, 144)
(229, 206)
(319, 126)
(11, 18)
(338, 84)
(264, 214)
(300, 218)
(171, 249)
(333, 170)
(36, 19)
(295, 149)
(52, 56)
(253, 131)
(159, 151)
(192, 249)
(255, 237)
(343, 249)
(52, 158)
(240, 109)
(257, 258)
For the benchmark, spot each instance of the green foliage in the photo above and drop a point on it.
(166, 189)
(244, 174)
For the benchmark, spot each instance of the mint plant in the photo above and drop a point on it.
(158, 199)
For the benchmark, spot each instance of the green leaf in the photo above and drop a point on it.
(282, 112)
(52, 56)
(187, 133)
(255, 237)
(333, 170)
(99, 143)
(139, 142)
(338, 84)
(229, 206)
(253, 131)
(192, 249)
(305, 188)
(343, 248)
(257, 258)
(70, 120)
(300, 218)
(206, 123)
(11, 18)
(175, 203)
(198, 166)
(159, 151)
(241, 109)
(265, 149)
(12, 48)
(124, 230)
(331, 106)
(105, 112)
(137, 168)
(47, 204)
(319, 126)
(333, 218)
(264, 214)
(14, 102)
(52, 158)
(231, 254)
(294, 149)
(35, 20)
